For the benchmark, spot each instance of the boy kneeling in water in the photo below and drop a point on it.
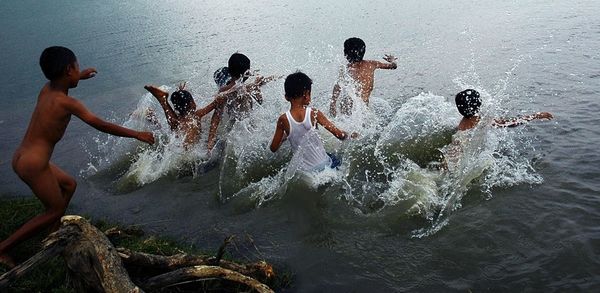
(50, 118)
(300, 119)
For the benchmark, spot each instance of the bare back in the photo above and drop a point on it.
(190, 127)
(363, 73)
(48, 123)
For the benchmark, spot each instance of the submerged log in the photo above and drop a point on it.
(97, 266)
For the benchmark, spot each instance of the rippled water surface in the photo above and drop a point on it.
(521, 213)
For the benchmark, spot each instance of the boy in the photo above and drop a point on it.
(361, 72)
(51, 116)
(468, 103)
(238, 101)
(300, 119)
(186, 119)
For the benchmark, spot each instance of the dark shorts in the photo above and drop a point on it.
(335, 161)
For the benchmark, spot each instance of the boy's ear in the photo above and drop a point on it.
(69, 69)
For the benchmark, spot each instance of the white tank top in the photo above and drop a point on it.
(309, 153)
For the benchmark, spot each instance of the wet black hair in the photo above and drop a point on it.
(54, 61)
(296, 84)
(468, 102)
(238, 64)
(354, 49)
(182, 101)
(222, 76)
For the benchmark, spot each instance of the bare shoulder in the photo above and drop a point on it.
(317, 113)
(68, 101)
(371, 64)
(283, 123)
(282, 118)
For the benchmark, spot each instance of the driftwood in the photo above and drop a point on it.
(204, 272)
(260, 270)
(97, 266)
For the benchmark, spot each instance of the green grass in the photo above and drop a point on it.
(52, 276)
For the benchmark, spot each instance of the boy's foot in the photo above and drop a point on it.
(7, 261)
(156, 92)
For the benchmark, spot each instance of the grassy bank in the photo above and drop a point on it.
(52, 276)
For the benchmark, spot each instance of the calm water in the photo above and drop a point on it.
(528, 222)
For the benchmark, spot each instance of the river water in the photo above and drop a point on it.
(522, 212)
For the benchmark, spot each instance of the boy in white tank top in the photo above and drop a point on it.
(298, 124)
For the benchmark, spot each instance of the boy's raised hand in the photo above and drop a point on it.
(390, 58)
(88, 73)
(146, 137)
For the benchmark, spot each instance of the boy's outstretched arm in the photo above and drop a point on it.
(512, 122)
(79, 110)
(334, 97)
(321, 119)
(390, 64)
(214, 125)
(279, 135)
(88, 73)
(161, 96)
(218, 100)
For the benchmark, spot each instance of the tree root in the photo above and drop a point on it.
(95, 265)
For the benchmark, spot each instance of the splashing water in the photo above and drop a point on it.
(392, 168)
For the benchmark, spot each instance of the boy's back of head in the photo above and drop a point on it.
(54, 61)
(468, 102)
(296, 85)
(354, 49)
(238, 64)
(182, 101)
(222, 76)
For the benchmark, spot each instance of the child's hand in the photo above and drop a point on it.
(543, 115)
(146, 137)
(261, 80)
(390, 58)
(88, 73)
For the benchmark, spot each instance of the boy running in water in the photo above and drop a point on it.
(300, 119)
(51, 116)
(361, 73)
(237, 97)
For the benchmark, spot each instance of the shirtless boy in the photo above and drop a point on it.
(361, 73)
(51, 116)
(468, 103)
(237, 97)
(185, 118)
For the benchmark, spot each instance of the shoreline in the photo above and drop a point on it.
(52, 275)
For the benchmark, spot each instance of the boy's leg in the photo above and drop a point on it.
(156, 92)
(45, 186)
(67, 186)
